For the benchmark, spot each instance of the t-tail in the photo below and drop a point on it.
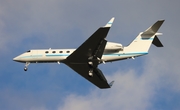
(144, 40)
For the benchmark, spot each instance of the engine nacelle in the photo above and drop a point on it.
(111, 46)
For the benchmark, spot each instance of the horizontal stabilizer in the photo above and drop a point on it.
(157, 42)
(154, 28)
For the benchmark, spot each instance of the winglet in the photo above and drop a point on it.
(109, 24)
(111, 83)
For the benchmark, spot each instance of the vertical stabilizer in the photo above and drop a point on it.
(144, 40)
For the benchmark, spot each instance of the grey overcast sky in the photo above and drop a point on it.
(147, 83)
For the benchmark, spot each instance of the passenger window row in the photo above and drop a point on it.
(55, 51)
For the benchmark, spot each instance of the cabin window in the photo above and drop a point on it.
(60, 51)
(29, 51)
(67, 51)
(46, 51)
(54, 52)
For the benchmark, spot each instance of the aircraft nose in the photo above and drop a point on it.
(16, 59)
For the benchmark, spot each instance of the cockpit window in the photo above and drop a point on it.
(29, 51)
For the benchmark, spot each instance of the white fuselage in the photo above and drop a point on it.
(112, 52)
(93, 51)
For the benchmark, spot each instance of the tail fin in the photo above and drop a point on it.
(143, 41)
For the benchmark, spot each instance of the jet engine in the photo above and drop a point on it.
(113, 47)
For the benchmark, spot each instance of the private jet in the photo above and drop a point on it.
(94, 51)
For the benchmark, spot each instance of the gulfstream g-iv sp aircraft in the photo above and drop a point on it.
(94, 51)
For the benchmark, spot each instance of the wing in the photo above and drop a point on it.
(85, 59)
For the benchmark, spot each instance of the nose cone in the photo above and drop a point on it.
(16, 59)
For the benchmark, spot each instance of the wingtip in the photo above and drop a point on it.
(111, 83)
(109, 24)
(161, 20)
